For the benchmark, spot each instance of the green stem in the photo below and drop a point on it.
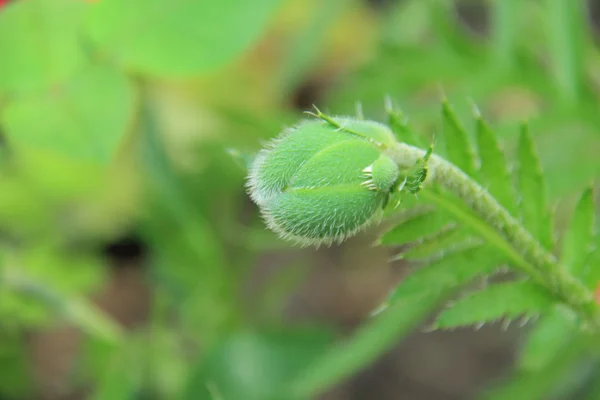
(565, 21)
(503, 31)
(525, 251)
(77, 310)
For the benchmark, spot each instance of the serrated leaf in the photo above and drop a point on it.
(398, 122)
(446, 240)
(545, 341)
(454, 270)
(532, 190)
(578, 239)
(465, 216)
(493, 170)
(416, 227)
(498, 301)
(456, 140)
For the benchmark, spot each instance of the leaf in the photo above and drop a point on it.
(532, 190)
(493, 169)
(502, 300)
(14, 366)
(415, 227)
(578, 240)
(368, 343)
(592, 277)
(303, 51)
(451, 271)
(445, 241)
(547, 338)
(456, 140)
(535, 384)
(398, 122)
(39, 43)
(466, 217)
(255, 365)
(83, 120)
(169, 38)
(78, 311)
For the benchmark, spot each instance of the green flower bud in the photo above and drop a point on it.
(324, 180)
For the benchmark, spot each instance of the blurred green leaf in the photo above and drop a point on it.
(39, 43)
(177, 37)
(303, 51)
(117, 368)
(532, 191)
(498, 301)
(536, 384)
(190, 262)
(578, 239)
(546, 339)
(369, 342)
(15, 381)
(255, 365)
(84, 119)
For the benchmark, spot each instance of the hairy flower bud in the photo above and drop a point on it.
(324, 180)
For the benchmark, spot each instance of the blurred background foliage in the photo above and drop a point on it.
(133, 266)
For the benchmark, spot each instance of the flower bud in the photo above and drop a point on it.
(324, 180)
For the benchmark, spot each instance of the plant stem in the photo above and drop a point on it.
(565, 21)
(525, 251)
(504, 13)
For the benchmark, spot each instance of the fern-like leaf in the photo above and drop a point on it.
(499, 301)
(493, 171)
(398, 122)
(451, 271)
(578, 240)
(415, 226)
(532, 190)
(456, 141)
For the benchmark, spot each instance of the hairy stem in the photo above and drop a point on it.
(525, 251)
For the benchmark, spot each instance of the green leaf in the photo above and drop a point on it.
(368, 343)
(84, 120)
(398, 122)
(592, 277)
(578, 240)
(39, 43)
(536, 384)
(445, 241)
(456, 140)
(547, 338)
(255, 365)
(177, 37)
(493, 169)
(502, 300)
(465, 216)
(451, 271)
(416, 226)
(304, 50)
(532, 190)
(15, 381)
